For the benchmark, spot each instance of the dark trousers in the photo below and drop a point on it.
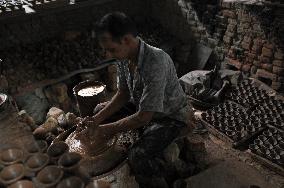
(146, 155)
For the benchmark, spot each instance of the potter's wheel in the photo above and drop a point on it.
(100, 160)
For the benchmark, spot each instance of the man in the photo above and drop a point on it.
(147, 78)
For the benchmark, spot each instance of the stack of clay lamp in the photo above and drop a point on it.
(270, 145)
(250, 112)
(40, 166)
(11, 5)
(233, 120)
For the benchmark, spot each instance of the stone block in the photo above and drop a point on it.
(54, 112)
(278, 70)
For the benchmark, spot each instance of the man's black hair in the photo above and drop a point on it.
(117, 24)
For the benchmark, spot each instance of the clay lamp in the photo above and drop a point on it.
(12, 173)
(250, 129)
(267, 133)
(272, 141)
(56, 150)
(42, 144)
(262, 138)
(268, 145)
(71, 182)
(11, 156)
(253, 147)
(49, 176)
(36, 162)
(231, 134)
(273, 156)
(258, 142)
(70, 161)
(22, 184)
(263, 151)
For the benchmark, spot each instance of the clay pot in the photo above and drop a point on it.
(12, 173)
(71, 182)
(32, 149)
(37, 162)
(56, 150)
(42, 144)
(70, 161)
(11, 156)
(49, 176)
(22, 184)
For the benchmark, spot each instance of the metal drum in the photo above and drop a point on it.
(88, 94)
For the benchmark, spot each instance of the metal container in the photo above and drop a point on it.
(87, 103)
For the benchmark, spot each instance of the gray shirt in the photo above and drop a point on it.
(154, 86)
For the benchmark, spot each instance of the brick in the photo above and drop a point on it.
(263, 59)
(246, 67)
(230, 34)
(265, 74)
(244, 25)
(267, 67)
(232, 21)
(256, 63)
(229, 13)
(231, 28)
(247, 39)
(256, 49)
(269, 46)
(279, 63)
(246, 46)
(251, 55)
(235, 63)
(279, 55)
(267, 52)
(227, 40)
(278, 70)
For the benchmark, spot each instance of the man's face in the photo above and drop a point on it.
(114, 49)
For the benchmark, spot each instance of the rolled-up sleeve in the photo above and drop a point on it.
(121, 75)
(155, 81)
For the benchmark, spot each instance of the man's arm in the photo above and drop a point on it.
(134, 121)
(117, 102)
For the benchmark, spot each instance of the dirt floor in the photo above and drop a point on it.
(238, 163)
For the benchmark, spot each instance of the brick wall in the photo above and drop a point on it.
(244, 37)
